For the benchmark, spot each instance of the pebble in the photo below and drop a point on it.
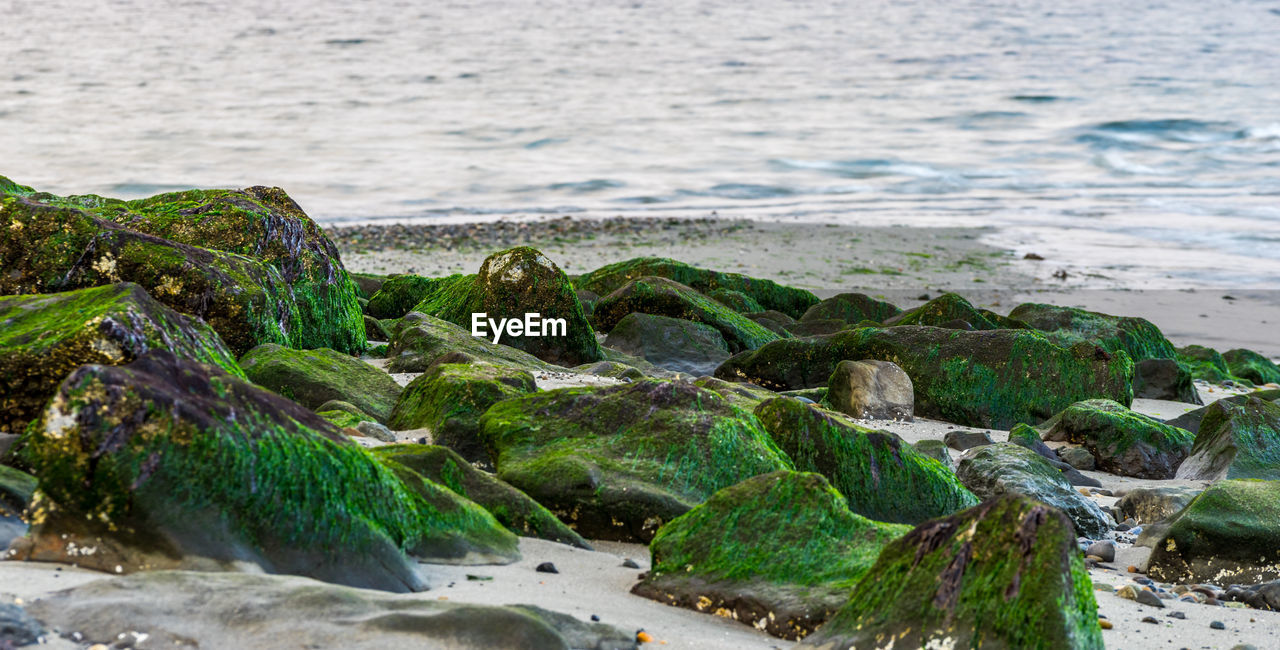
(1127, 592)
(478, 578)
(1149, 598)
(630, 563)
(1178, 615)
(546, 567)
(1132, 569)
(1150, 619)
(595, 618)
(1218, 625)
(1104, 550)
(1104, 624)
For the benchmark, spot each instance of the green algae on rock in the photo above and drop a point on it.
(851, 308)
(165, 463)
(769, 294)
(1008, 468)
(419, 340)
(777, 551)
(1225, 535)
(948, 310)
(880, 476)
(1123, 442)
(1066, 325)
(1203, 363)
(450, 398)
(45, 337)
(343, 414)
(992, 379)
(1251, 366)
(1004, 574)
(399, 293)
(511, 507)
(672, 343)
(313, 377)
(735, 300)
(662, 297)
(1237, 439)
(616, 463)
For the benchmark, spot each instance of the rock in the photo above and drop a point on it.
(450, 398)
(663, 297)
(851, 308)
(1217, 625)
(1128, 592)
(1005, 468)
(367, 284)
(342, 415)
(165, 463)
(45, 337)
(736, 555)
(1068, 325)
(313, 377)
(774, 321)
(617, 462)
(1191, 419)
(1153, 504)
(612, 369)
(769, 294)
(400, 293)
(588, 300)
(966, 440)
(942, 311)
(1247, 364)
(207, 610)
(546, 567)
(871, 390)
(881, 477)
(374, 330)
(1003, 574)
(1227, 534)
(735, 300)
(1203, 363)
(1025, 436)
(1149, 599)
(424, 340)
(375, 431)
(742, 395)
(511, 507)
(671, 343)
(17, 628)
(991, 379)
(1263, 596)
(1164, 379)
(1104, 549)
(1236, 441)
(1123, 442)
(814, 327)
(937, 450)
(1077, 457)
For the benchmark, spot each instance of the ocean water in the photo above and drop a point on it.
(1140, 139)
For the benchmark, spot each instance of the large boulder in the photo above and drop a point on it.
(1006, 468)
(1067, 325)
(769, 294)
(1005, 574)
(735, 300)
(1247, 364)
(871, 389)
(450, 398)
(616, 463)
(399, 293)
(419, 341)
(1122, 441)
(1236, 440)
(45, 337)
(1203, 363)
(663, 297)
(948, 310)
(1226, 535)
(165, 464)
(671, 343)
(882, 477)
(313, 377)
(851, 308)
(1164, 379)
(516, 284)
(991, 379)
(1191, 419)
(736, 555)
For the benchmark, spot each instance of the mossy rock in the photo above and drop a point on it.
(774, 321)
(166, 464)
(400, 293)
(1191, 419)
(511, 285)
(1203, 363)
(882, 477)
(777, 551)
(616, 463)
(851, 308)
(663, 297)
(769, 294)
(991, 379)
(419, 340)
(1066, 325)
(1226, 535)
(367, 284)
(313, 377)
(1123, 442)
(741, 395)
(1238, 438)
(45, 337)
(944, 311)
(511, 507)
(672, 343)
(343, 415)
(735, 300)
(1006, 468)
(1005, 574)
(374, 330)
(814, 327)
(612, 369)
(16, 489)
(1251, 366)
(450, 398)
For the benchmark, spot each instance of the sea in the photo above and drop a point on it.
(1137, 139)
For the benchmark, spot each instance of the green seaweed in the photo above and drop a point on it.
(662, 297)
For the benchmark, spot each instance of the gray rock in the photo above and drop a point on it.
(871, 389)
(1152, 504)
(1164, 379)
(1004, 468)
(376, 431)
(936, 449)
(17, 628)
(1149, 599)
(1077, 457)
(1026, 436)
(1105, 549)
(965, 440)
(671, 343)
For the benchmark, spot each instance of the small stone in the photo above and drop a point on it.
(376, 431)
(1104, 550)
(478, 578)
(1150, 599)
(1102, 586)
(1127, 592)
(1217, 625)
(1150, 619)
(1132, 569)
(1085, 491)
(1104, 624)
(1177, 615)
(630, 563)
(547, 567)
(595, 618)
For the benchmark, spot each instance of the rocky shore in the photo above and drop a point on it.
(224, 426)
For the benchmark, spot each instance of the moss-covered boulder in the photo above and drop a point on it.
(744, 396)
(663, 297)
(1006, 468)
(1203, 363)
(450, 398)
(1249, 365)
(1123, 442)
(1237, 439)
(1005, 574)
(851, 308)
(342, 414)
(814, 327)
(991, 379)
(511, 507)
(618, 462)
(671, 343)
(1226, 535)
(769, 294)
(772, 320)
(948, 310)
(45, 337)
(165, 464)
(400, 293)
(313, 377)
(515, 284)
(777, 551)
(367, 284)
(419, 340)
(735, 300)
(1067, 325)
(882, 477)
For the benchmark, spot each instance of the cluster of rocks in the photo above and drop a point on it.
(155, 428)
